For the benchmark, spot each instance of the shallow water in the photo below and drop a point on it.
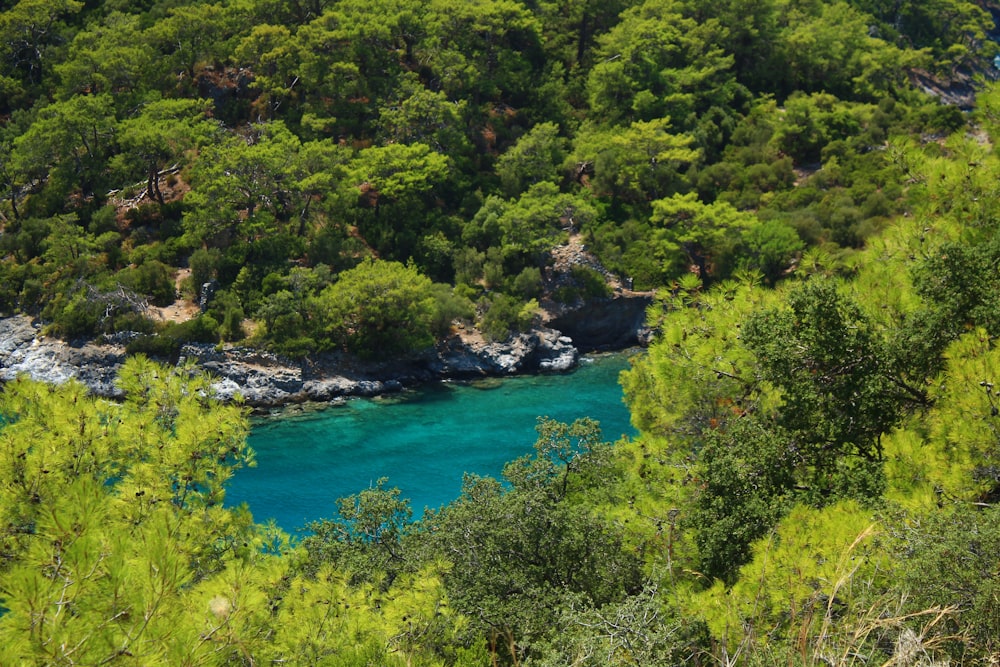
(422, 440)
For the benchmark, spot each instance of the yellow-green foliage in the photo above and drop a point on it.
(723, 136)
(648, 500)
(936, 455)
(813, 561)
(964, 424)
(322, 617)
(694, 375)
(117, 550)
(821, 585)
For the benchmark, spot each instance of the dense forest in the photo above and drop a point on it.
(818, 463)
(265, 159)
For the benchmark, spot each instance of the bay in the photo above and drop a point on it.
(421, 440)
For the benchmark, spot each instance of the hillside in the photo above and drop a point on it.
(141, 163)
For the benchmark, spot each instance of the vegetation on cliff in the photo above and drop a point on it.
(246, 153)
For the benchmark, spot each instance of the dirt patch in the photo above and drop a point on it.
(180, 310)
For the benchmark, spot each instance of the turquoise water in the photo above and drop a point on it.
(421, 440)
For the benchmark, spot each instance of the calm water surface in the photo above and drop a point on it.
(421, 440)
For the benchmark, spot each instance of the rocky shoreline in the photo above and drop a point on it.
(266, 380)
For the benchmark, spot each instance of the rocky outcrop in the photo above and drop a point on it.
(24, 350)
(959, 90)
(538, 350)
(264, 379)
(613, 323)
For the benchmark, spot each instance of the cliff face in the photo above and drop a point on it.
(606, 324)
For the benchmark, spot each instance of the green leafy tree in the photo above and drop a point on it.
(271, 50)
(152, 278)
(832, 44)
(535, 157)
(537, 221)
(194, 33)
(486, 51)
(693, 234)
(639, 630)
(428, 117)
(158, 135)
(527, 550)
(570, 30)
(66, 145)
(642, 162)
(350, 59)
(658, 62)
(827, 360)
(119, 520)
(367, 537)
(112, 56)
(504, 315)
(391, 187)
(28, 31)
(772, 248)
(377, 308)
(955, 30)
(946, 556)
(260, 185)
(748, 472)
(228, 311)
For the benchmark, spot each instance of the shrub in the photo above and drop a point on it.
(378, 308)
(167, 343)
(152, 278)
(504, 315)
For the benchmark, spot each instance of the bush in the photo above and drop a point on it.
(153, 279)
(452, 304)
(155, 346)
(772, 246)
(204, 265)
(74, 316)
(504, 315)
(592, 284)
(167, 343)
(227, 310)
(528, 283)
(376, 309)
(587, 284)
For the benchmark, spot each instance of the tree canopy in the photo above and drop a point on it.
(319, 134)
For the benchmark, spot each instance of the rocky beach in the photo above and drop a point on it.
(263, 379)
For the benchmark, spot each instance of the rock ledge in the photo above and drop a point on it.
(264, 379)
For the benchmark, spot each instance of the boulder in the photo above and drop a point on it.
(541, 349)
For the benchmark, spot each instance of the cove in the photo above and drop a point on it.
(421, 440)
